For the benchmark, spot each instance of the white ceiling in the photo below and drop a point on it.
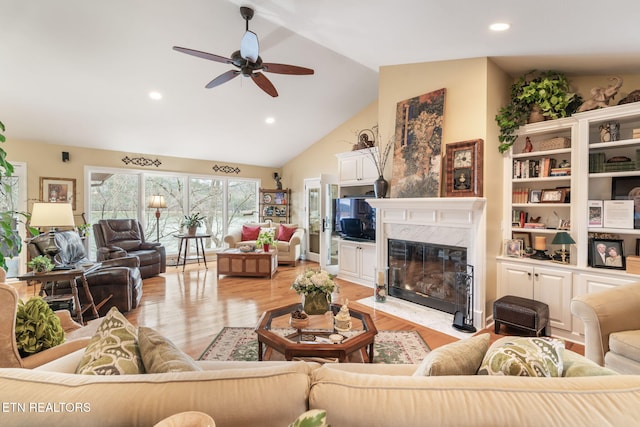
(78, 72)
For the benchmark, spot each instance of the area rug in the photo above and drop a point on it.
(241, 344)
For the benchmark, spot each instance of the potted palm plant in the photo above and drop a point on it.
(192, 222)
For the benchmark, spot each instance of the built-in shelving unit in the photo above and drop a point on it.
(275, 205)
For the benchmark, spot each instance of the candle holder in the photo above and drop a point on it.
(540, 245)
(381, 285)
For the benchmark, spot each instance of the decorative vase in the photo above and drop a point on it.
(192, 230)
(316, 303)
(265, 247)
(380, 187)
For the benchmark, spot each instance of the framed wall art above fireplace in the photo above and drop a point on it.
(464, 169)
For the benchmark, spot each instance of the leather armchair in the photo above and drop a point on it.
(119, 278)
(611, 327)
(117, 238)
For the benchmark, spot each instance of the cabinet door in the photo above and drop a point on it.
(369, 170)
(554, 287)
(348, 254)
(516, 280)
(349, 170)
(368, 263)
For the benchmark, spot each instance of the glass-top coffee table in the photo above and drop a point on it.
(313, 341)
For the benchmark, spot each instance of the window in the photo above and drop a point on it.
(222, 201)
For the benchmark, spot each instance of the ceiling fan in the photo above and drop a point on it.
(248, 61)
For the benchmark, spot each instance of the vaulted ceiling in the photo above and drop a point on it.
(78, 72)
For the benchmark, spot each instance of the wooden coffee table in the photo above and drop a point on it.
(274, 332)
(233, 262)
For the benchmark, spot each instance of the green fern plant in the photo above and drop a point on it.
(37, 327)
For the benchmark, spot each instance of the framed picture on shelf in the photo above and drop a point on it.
(607, 253)
(58, 190)
(534, 196)
(627, 188)
(513, 248)
(464, 169)
(525, 236)
(552, 196)
(595, 213)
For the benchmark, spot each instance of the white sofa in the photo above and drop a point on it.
(275, 393)
(288, 251)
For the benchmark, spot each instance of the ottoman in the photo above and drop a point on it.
(522, 313)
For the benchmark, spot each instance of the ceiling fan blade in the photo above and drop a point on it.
(222, 78)
(264, 83)
(286, 69)
(205, 55)
(249, 46)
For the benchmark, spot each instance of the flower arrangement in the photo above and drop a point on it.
(313, 282)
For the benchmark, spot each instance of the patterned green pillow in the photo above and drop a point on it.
(160, 355)
(113, 350)
(524, 356)
(458, 358)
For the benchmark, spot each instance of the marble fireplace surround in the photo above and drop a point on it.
(453, 221)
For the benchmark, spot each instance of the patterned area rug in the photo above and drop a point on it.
(241, 344)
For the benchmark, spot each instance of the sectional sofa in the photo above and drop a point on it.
(354, 395)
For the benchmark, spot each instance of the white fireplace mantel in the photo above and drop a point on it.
(455, 221)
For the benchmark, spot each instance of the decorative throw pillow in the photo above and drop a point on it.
(285, 233)
(160, 355)
(459, 358)
(113, 350)
(524, 356)
(250, 232)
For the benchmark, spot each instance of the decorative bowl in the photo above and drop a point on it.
(245, 248)
(299, 323)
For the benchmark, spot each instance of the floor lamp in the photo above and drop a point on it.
(157, 202)
(52, 215)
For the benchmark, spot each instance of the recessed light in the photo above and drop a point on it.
(155, 95)
(499, 26)
(270, 120)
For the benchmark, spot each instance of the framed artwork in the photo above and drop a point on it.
(553, 196)
(534, 196)
(513, 248)
(464, 169)
(58, 190)
(524, 236)
(417, 153)
(607, 253)
(628, 188)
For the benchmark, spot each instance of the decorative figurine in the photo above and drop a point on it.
(343, 318)
(528, 146)
(600, 96)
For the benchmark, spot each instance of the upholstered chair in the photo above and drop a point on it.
(117, 238)
(78, 336)
(117, 279)
(611, 327)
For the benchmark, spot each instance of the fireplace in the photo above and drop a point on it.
(448, 231)
(425, 273)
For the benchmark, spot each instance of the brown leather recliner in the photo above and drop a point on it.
(117, 238)
(119, 278)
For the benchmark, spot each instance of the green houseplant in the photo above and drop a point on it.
(40, 264)
(547, 92)
(37, 327)
(265, 238)
(193, 221)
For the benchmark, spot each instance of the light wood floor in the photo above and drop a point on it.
(190, 308)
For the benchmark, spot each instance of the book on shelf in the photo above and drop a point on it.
(560, 172)
(520, 195)
(596, 162)
(537, 225)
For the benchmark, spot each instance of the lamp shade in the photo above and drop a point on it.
(52, 215)
(562, 238)
(157, 202)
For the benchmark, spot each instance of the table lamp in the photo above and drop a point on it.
(157, 202)
(563, 238)
(52, 215)
(540, 245)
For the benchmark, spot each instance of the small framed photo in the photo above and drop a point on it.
(534, 196)
(564, 224)
(628, 188)
(595, 213)
(58, 190)
(553, 196)
(513, 248)
(524, 236)
(464, 169)
(607, 253)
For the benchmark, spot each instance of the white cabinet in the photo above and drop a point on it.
(357, 261)
(553, 286)
(357, 167)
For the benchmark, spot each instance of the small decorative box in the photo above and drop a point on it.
(555, 143)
